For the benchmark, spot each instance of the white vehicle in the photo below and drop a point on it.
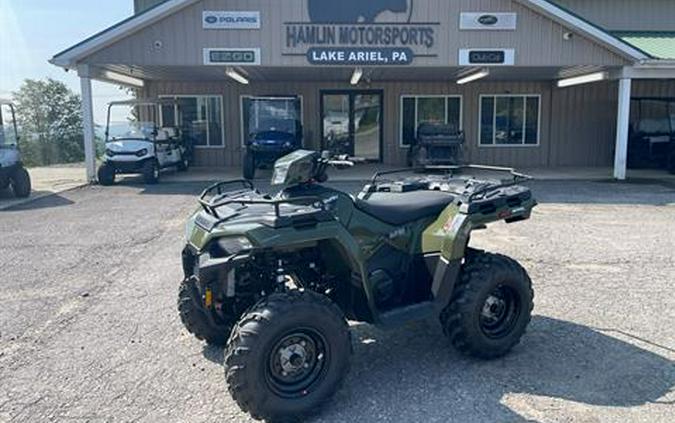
(136, 144)
(12, 172)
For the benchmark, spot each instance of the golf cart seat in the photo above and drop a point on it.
(405, 207)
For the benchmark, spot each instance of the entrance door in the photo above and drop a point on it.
(352, 123)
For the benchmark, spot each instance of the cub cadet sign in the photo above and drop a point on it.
(355, 32)
(230, 20)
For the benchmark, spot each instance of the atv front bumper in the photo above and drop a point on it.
(212, 274)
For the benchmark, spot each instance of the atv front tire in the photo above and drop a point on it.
(151, 172)
(20, 182)
(287, 356)
(490, 307)
(106, 175)
(195, 319)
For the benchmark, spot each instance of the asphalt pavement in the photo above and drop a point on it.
(89, 329)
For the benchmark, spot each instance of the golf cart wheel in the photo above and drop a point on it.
(106, 175)
(490, 307)
(184, 164)
(20, 181)
(249, 166)
(195, 319)
(287, 356)
(151, 172)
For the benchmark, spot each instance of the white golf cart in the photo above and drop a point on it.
(136, 144)
(12, 172)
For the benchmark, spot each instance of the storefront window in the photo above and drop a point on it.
(282, 115)
(417, 110)
(199, 117)
(509, 120)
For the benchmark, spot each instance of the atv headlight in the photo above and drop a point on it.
(234, 245)
(143, 152)
(109, 153)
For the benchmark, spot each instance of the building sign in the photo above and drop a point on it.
(230, 20)
(487, 57)
(360, 32)
(360, 56)
(232, 56)
(488, 21)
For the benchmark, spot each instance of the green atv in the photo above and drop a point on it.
(275, 278)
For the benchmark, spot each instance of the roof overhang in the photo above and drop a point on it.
(594, 32)
(69, 58)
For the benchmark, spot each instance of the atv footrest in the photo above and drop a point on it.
(395, 318)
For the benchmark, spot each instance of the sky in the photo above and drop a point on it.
(32, 31)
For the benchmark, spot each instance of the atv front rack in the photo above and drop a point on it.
(223, 198)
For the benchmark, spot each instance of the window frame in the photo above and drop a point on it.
(417, 97)
(242, 137)
(494, 121)
(208, 133)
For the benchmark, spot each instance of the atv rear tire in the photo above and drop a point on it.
(490, 307)
(194, 317)
(151, 172)
(249, 166)
(20, 182)
(106, 175)
(287, 356)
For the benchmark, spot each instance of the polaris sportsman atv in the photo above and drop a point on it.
(276, 278)
(138, 145)
(12, 172)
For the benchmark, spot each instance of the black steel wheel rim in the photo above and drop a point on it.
(297, 363)
(499, 312)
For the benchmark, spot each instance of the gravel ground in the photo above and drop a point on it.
(89, 330)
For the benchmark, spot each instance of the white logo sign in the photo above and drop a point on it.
(232, 56)
(230, 20)
(488, 21)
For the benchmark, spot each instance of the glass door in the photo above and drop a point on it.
(352, 123)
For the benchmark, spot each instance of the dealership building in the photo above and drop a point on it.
(532, 83)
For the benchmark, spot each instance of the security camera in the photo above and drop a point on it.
(568, 36)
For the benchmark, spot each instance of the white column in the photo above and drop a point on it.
(622, 125)
(88, 124)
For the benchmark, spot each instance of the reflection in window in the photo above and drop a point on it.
(199, 117)
(428, 109)
(509, 120)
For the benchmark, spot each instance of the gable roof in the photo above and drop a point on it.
(69, 57)
(591, 30)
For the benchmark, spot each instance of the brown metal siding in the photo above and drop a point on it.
(393, 154)
(626, 15)
(538, 40)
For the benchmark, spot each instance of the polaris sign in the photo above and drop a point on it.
(488, 21)
(230, 20)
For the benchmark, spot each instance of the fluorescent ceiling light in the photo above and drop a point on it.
(122, 79)
(583, 79)
(236, 76)
(356, 76)
(473, 77)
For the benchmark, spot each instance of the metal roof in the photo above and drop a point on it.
(660, 45)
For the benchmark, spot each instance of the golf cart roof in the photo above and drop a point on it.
(143, 102)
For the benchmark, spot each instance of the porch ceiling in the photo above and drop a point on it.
(329, 74)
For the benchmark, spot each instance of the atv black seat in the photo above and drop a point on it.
(405, 207)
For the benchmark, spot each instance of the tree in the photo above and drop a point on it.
(50, 121)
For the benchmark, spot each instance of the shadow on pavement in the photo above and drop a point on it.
(41, 202)
(413, 374)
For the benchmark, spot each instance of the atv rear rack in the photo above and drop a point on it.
(517, 178)
(211, 206)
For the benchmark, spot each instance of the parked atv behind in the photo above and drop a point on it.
(276, 278)
(12, 171)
